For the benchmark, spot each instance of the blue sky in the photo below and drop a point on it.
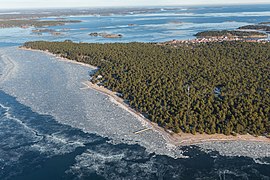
(111, 3)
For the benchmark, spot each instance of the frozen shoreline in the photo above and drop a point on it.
(56, 88)
(94, 111)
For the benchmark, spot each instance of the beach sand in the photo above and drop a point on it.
(180, 139)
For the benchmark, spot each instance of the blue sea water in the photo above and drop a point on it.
(35, 146)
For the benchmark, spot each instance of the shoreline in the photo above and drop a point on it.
(63, 96)
(59, 57)
(181, 139)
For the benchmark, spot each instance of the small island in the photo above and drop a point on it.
(50, 31)
(176, 22)
(106, 35)
(43, 30)
(131, 24)
(231, 34)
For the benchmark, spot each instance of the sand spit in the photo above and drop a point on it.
(61, 88)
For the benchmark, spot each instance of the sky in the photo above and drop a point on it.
(6, 4)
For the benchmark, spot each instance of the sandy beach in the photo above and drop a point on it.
(67, 94)
(181, 139)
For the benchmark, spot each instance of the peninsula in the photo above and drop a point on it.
(204, 88)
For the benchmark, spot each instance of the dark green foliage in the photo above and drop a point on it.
(240, 34)
(228, 82)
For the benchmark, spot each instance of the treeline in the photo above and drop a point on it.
(240, 34)
(212, 88)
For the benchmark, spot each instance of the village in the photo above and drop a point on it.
(213, 39)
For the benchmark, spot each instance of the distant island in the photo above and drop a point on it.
(51, 31)
(218, 87)
(34, 23)
(43, 30)
(231, 34)
(106, 35)
(264, 23)
(260, 27)
(132, 24)
(176, 22)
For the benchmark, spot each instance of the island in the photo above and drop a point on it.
(25, 23)
(106, 35)
(131, 24)
(264, 23)
(50, 31)
(260, 27)
(212, 88)
(176, 22)
(231, 34)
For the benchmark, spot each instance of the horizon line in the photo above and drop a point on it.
(134, 6)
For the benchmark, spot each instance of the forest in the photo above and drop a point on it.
(218, 87)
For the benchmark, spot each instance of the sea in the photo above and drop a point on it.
(150, 24)
(35, 146)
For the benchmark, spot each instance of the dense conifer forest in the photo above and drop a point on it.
(202, 88)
